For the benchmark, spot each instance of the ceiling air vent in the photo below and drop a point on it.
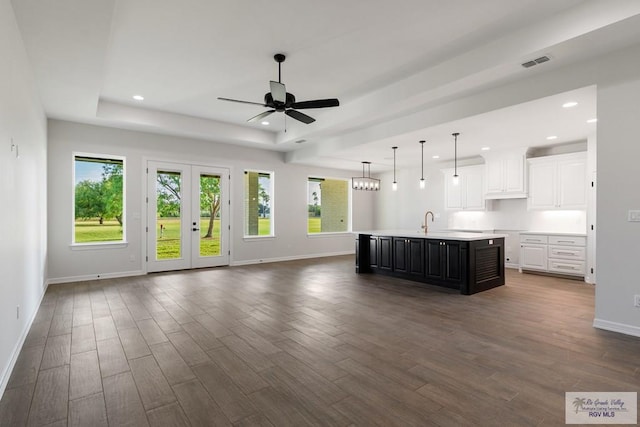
(536, 61)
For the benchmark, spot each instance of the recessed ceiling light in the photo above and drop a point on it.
(486, 148)
(552, 137)
(435, 157)
(592, 120)
(569, 104)
(264, 123)
(138, 97)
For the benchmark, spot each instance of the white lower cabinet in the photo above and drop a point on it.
(533, 257)
(562, 254)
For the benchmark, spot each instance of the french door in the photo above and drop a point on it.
(187, 216)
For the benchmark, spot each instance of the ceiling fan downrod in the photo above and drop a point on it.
(279, 57)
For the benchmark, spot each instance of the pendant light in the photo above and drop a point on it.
(394, 186)
(422, 182)
(365, 182)
(456, 178)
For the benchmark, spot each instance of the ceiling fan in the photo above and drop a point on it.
(282, 101)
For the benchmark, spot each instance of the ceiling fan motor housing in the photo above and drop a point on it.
(279, 106)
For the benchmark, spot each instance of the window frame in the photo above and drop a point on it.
(349, 206)
(106, 244)
(272, 231)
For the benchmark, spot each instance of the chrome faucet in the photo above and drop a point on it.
(424, 226)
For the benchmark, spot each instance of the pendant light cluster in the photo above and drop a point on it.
(365, 182)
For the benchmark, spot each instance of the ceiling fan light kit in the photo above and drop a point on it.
(279, 100)
(365, 182)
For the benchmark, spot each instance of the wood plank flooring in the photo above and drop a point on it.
(311, 343)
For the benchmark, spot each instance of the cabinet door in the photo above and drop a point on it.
(399, 255)
(433, 259)
(453, 193)
(514, 174)
(385, 255)
(373, 251)
(494, 169)
(572, 184)
(542, 186)
(415, 256)
(453, 260)
(474, 188)
(533, 257)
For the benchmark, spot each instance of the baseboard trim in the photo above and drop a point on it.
(71, 279)
(6, 374)
(617, 327)
(289, 258)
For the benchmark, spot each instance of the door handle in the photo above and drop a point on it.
(195, 229)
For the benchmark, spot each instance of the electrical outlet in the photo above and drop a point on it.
(636, 300)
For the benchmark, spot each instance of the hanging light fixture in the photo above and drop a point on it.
(394, 186)
(456, 178)
(422, 182)
(365, 182)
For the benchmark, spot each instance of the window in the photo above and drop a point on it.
(328, 205)
(258, 203)
(98, 199)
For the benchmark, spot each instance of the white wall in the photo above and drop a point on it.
(290, 206)
(24, 194)
(618, 244)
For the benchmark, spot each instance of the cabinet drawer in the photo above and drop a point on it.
(568, 240)
(567, 252)
(566, 266)
(533, 238)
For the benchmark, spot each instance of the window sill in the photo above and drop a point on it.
(94, 246)
(329, 234)
(258, 238)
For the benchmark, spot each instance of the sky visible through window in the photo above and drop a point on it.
(91, 171)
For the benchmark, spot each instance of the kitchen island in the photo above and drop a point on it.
(469, 262)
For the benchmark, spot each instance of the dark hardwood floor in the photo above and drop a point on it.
(311, 343)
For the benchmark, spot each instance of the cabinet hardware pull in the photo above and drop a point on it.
(566, 253)
(566, 241)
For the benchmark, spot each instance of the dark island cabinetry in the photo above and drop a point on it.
(471, 265)
(446, 262)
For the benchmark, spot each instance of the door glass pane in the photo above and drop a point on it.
(209, 215)
(168, 215)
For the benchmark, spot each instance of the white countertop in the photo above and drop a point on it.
(440, 234)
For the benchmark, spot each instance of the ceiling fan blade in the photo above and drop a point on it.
(300, 116)
(316, 103)
(243, 102)
(261, 115)
(278, 91)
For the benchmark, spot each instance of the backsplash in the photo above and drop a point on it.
(512, 214)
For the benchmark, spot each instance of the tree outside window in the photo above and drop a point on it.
(98, 200)
(327, 205)
(258, 201)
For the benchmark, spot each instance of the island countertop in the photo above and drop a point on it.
(436, 234)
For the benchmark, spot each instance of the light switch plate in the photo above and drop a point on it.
(634, 216)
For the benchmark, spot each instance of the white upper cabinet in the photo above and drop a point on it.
(558, 182)
(505, 175)
(469, 193)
